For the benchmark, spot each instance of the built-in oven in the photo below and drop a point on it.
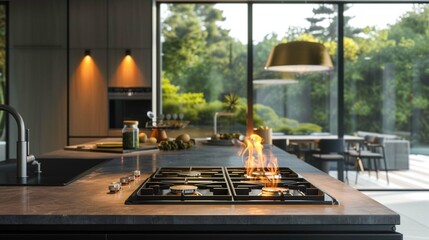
(129, 104)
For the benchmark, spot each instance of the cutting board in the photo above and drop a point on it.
(94, 148)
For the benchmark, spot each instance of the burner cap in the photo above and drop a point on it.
(189, 174)
(274, 191)
(185, 189)
(266, 174)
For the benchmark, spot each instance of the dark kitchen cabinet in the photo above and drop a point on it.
(88, 24)
(88, 27)
(130, 28)
(133, 71)
(107, 28)
(113, 24)
(37, 72)
(88, 93)
(39, 23)
(38, 81)
(130, 24)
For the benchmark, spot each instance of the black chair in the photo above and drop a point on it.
(294, 148)
(371, 150)
(330, 150)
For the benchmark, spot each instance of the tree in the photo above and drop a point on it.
(323, 25)
(184, 42)
(400, 51)
(324, 14)
(198, 54)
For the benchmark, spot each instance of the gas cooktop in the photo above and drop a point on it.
(227, 185)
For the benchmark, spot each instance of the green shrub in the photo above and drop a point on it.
(206, 112)
(307, 128)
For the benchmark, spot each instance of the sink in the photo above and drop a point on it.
(55, 171)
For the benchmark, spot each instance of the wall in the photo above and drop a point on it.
(45, 64)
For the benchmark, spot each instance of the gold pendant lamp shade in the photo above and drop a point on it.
(299, 56)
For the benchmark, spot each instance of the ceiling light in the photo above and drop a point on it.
(299, 56)
(274, 81)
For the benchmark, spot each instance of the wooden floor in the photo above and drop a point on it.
(417, 177)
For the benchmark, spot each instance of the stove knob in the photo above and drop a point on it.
(136, 173)
(124, 180)
(131, 178)
(114, 187)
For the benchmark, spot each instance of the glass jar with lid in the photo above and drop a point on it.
(130, 135)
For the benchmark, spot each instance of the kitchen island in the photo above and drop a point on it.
(86, 210)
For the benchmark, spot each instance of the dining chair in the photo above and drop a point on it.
(294, 148)
(371, 150)
(330, 150)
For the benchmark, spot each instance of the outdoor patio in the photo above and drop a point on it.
(414, 178)
(411, 205)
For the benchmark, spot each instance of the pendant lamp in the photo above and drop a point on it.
(299, 56)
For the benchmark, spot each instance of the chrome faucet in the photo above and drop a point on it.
(22, 145)
(218, 114)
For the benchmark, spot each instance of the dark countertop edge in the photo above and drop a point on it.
(196, 228)
(199, 220)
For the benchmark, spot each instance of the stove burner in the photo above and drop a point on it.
(184, 189)
(204, 184)
(189, 174)
(266, 174)
(274, 191)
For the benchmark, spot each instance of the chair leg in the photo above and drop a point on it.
(340, 168)
(376, 167)
(369, 166)
(346, 166)
(358, 166)
(385, 166)
(356, 178)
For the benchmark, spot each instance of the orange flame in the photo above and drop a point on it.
(257, 164)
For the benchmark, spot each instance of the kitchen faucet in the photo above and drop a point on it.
(218, 114)
(22, 145)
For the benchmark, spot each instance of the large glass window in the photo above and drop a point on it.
(385, 79)
(204, 67)
(387, 83)
(294, 103)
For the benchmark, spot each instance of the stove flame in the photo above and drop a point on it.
(258, 165)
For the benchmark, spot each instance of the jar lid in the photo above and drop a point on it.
(131, 122)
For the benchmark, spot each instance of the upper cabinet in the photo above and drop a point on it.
(107, 28)
(130, 71)
(88, 24)
(38, 24)
(37, 74)
(130, 23)
(115, 26)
